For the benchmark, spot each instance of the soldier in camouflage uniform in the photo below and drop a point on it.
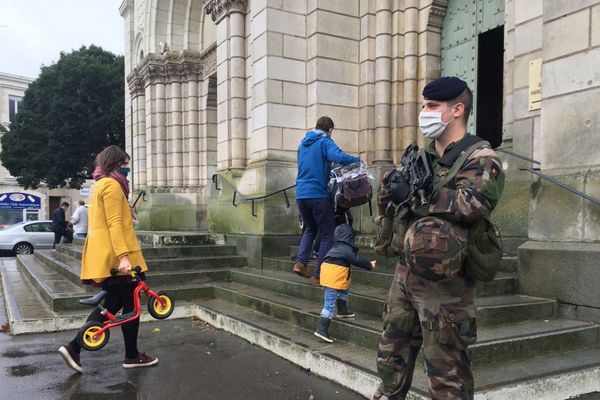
(430, 302)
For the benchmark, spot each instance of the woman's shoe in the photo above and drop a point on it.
(142, 360)
(70, 357)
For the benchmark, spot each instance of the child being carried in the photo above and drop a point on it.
(335, 277)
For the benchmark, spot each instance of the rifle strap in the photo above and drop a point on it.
(457, 157)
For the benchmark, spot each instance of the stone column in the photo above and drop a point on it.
(366, 90)
(150, 92)
(229, 15)
(411, 94)
(383, 76)
(175, 159)
(191, 131)
(161, 135)
(138, 151)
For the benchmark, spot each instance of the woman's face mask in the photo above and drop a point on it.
(431, 125)
(125, 169)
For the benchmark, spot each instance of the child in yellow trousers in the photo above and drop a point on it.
(335, 277)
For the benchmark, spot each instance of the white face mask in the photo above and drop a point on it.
(431, 125)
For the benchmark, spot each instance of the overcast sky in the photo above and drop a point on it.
(34, 32)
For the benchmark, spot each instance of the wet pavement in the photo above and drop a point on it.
(195, 362)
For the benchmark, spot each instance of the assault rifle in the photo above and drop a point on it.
(416, 174)
(419, 171)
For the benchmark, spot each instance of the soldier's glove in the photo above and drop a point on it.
(399, 187)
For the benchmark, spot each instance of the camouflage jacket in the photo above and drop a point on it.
(473, 193)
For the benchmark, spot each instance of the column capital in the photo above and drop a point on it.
(125, 7)
(437, 12)
(219, 9)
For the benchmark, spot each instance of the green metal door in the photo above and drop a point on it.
(464, 21)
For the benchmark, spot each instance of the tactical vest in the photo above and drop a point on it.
(484, 250)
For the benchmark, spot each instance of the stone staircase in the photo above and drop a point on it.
(525, 349)
(43, 289)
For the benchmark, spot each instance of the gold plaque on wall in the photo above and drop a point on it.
(535, 84)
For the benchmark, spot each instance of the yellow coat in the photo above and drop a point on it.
(110, 232)
(335, 276)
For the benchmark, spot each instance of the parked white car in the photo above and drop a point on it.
(23, 237)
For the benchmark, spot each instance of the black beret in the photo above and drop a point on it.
(443, 89)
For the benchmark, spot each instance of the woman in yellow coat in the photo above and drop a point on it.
(111, 243)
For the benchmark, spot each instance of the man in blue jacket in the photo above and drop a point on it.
(315, 154)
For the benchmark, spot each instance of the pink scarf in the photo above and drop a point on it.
(115, 174)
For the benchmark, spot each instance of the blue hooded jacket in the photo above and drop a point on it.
(315, 154)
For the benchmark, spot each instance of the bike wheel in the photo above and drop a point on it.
(85, 337)
(159, 311)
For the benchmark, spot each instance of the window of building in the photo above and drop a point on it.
(13, 106)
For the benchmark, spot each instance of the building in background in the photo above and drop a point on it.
(230, 86)
(17, 204)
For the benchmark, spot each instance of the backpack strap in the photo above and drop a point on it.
(456, 158)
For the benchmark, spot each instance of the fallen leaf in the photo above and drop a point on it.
(5, 327)
(156, 330)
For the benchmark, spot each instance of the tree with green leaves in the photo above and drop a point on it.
(68, 115)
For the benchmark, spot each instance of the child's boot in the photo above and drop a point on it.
(342, 309)
(322, 331)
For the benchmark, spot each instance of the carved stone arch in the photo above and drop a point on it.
(208, 32)
(138, 49)
(159, 20)
(177, 24)
(193, 25)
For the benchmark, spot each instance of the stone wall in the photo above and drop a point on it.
(569, 147)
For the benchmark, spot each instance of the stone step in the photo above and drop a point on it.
(169, 264)
(371, 300)
(22, 299)
(504, 283)
(28, 311)
(166, 238)
(72, 266)
(508, 263)
(495, 344)
(354, 367)
(165, 252)
(60, 293)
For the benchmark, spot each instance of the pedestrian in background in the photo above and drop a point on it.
(60, 225)
(335, 277)
(79, 219)
(316, 152)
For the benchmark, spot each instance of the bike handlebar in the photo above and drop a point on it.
(137, 270)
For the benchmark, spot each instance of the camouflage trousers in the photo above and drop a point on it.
(430, 305)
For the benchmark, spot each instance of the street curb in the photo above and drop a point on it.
(76, 321)
(563, 387)
(351, 377)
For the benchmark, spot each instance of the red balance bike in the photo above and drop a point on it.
(94, 335)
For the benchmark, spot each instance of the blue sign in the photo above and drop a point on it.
(20, 201)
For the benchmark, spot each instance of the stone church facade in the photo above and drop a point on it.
(229, 87)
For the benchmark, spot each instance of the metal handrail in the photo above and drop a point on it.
(536, 172)
(253, 200)
(562, 185)
(510, 153)
(141, 194)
